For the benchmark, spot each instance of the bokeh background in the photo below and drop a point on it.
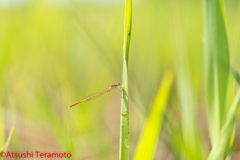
(54, 52)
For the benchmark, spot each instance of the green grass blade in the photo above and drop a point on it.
(149, 137)
(127, 28)
(235, 75)
(191, 141)
(229, 155)
(216, 65)
(190, 145)
(4, 148)
(124, 126)
(219, 149)
(67, 139)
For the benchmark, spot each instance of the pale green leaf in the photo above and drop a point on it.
(149, 136)
(219, 148)
(4, 148)
(216, 65)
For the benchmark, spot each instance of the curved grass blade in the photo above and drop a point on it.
(219, 148)
(216, 56)
(235, 75)
(4, 148)
(149, 137)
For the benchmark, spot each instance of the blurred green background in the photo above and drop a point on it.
(53, 53)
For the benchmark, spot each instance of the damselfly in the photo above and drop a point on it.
(97, 94)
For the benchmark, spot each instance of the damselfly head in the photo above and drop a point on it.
(115, 85)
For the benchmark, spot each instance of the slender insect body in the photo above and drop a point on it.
(97, 94)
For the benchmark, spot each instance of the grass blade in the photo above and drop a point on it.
(67, 140)
(149, 137)
(219, 149)
(4, 148)
(190, 145)
(216, 65)
(124, 126)
(236, 75)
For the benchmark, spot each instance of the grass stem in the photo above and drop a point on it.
(124, 126)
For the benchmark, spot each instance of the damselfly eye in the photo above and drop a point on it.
(118, 84)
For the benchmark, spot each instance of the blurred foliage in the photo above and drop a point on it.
(53, 54)
(152, 126)
(4, 148)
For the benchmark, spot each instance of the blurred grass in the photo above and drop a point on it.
(5, 146)
(53, 54)
(190, 145)
(216, 65)
(150, 132)
(219, 148)
(236, 75)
